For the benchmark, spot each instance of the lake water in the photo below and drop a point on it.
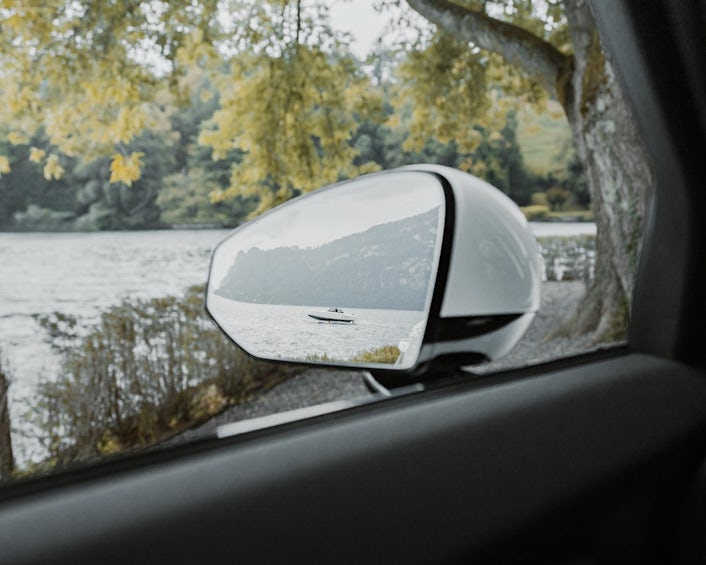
(289, 331)
(84, 273)
(562, 229)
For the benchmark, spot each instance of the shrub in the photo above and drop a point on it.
(539, 199)
(386, 354)
(535, 213)
(146, 370)
(321, 358)
(36, 218)
(557, 196)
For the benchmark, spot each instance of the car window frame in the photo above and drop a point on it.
(664, 315)
(316, 491)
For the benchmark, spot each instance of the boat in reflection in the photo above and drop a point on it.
(332, 315)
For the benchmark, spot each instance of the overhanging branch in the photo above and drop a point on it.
(536, 57)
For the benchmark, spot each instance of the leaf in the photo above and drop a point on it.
(126, 170)
(4, 165)
(36, 155)
(17, 138)
(53, 170)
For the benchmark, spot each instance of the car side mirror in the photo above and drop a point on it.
(398, 271)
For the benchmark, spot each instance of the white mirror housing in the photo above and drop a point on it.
(399, 272)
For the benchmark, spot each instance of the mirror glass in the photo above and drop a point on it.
(343, 275)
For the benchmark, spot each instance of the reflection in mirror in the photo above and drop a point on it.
(343, 276)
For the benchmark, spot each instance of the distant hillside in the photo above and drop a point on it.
(387, 266)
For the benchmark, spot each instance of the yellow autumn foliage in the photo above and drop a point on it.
(93, 80)
(126, 169)
(36, 155)
(17, 137)
(83, 76)
(453, 86)
(52, 168)
(289, 106)
(4, 165)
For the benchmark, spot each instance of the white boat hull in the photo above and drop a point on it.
(332, 316)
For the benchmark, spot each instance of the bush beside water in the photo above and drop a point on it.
(386, 354)
(147, 370)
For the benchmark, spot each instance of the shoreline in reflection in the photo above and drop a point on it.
(288, 333)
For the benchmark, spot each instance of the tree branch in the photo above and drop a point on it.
(538, 58)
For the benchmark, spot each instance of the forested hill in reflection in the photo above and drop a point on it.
(387, 266)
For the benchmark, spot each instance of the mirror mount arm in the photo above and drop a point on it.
(443, 368)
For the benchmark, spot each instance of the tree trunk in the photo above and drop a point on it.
(606, 139)
(6, 457)
(615, 163)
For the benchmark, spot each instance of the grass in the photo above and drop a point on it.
(387, 354)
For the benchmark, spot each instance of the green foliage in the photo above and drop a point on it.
(146, 370)
(545, 139)
(291, 115)
(105, 205)
(83, 198)
(25, 185)
(447, 83)
(187, 118)
(539, 199)
(498, 160)
(184, 199)
(556, 196)
(35, 218)
(287, 103)
(90, 76)
(254, 108)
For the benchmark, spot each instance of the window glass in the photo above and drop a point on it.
(132, 143)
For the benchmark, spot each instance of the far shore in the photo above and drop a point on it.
(559, 220)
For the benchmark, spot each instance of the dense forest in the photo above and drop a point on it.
(179, 175)
(530, 158)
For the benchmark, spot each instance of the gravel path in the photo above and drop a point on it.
(312, 387)
(559, 300)
(318, 386)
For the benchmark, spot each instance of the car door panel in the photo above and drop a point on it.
(431, 477)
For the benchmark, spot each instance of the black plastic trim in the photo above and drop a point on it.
(452, 329)
(484, 460)
(644, 38)
(403, 376)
